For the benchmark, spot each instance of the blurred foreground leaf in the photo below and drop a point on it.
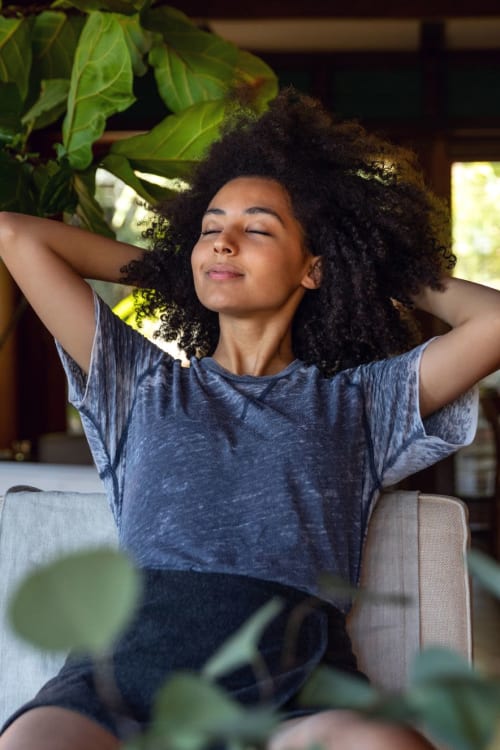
(486, 570)
(241, 648)
(457, 704)
(82, 601)
(331, 585)
(333, 689)
(191, 713)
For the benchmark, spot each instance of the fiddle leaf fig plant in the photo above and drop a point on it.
(68, 66)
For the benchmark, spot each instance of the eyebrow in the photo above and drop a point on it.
(251, 210)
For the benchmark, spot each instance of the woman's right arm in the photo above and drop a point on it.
(50, 261)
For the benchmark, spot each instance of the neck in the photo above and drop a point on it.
(248, 347)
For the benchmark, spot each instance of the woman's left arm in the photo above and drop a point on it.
(452, 363)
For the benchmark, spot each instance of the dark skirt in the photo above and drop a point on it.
(185, 616)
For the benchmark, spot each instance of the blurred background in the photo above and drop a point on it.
(425, 74)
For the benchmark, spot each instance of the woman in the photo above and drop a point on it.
(251, 471)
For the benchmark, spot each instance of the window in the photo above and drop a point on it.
(476, 221)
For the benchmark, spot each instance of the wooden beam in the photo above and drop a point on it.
(265, 9)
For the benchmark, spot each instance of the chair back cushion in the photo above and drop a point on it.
(35, 528)
(444, 583)
(386, 635)
(415, 547)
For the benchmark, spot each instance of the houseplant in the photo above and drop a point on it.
(454, 703)
(68, 67)
(72, 72)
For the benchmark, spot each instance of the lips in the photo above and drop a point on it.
(223, 271)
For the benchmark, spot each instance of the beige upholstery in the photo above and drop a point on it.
(415, 546)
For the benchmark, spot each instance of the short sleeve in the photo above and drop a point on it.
(401, 442)
(120, 358)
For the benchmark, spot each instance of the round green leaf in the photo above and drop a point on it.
(82, 601)
(330, 687)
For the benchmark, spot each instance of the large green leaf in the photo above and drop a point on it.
(190, 65)
(120, 167)
(82, 601)
(54, 182)
(50, 105)
(15, 52)
(15, 178)
(55, 37)
(177, 143)
(242, 647)
(101, 85)
(89, 211)
(10, 113)
(138, 40)
(259, 81)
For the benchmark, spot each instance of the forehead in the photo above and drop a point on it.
(252, 190)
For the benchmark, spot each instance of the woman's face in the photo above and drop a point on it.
(250, 257)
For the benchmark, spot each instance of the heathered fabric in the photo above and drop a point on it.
(273, 477)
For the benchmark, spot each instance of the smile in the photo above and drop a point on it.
(223, 272)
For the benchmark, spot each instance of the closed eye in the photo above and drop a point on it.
(209, 231)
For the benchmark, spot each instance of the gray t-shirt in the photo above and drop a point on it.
(273, 477)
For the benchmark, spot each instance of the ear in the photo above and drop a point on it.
(314, 276)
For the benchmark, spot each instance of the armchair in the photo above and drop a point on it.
(415, 546)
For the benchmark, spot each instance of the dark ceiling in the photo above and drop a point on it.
(426, 9)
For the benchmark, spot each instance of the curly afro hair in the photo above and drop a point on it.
(363, 207)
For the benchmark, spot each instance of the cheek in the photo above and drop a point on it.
(196, 257)
(193, 256)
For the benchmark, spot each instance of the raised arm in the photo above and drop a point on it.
(452, 363)
(49, 261)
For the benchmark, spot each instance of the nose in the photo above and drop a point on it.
(224, 245)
